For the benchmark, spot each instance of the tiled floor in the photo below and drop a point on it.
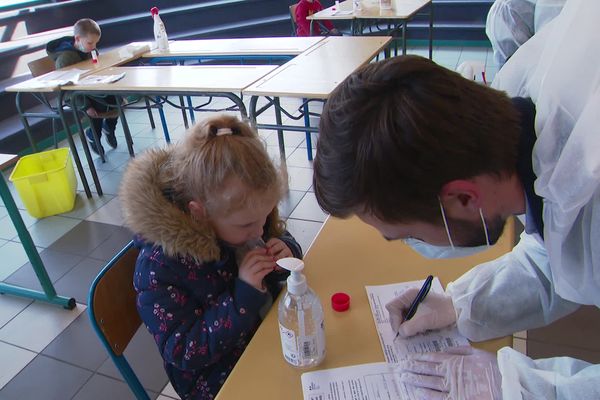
(49, 353)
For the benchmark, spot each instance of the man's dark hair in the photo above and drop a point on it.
(394, 132)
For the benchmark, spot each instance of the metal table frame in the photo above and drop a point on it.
(49, 293)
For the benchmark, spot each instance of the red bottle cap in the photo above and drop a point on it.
(154, 10)
(340, 301)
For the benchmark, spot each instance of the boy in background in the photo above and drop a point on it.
(70, 50)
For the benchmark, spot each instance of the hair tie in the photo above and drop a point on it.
(224, 131)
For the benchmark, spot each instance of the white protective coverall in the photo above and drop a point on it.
(510, 23)
(543, 280)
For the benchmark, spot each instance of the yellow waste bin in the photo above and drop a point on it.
(46, 182)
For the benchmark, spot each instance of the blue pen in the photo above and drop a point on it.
(418, 299)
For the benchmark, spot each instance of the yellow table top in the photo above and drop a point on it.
(181, 78)
(317, 71)
(238, 47)
(346, 256)
(401, 10)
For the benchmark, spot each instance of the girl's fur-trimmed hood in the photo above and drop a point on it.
(150, 213)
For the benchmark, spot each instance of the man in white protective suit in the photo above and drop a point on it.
(510, 23)
(441, 162)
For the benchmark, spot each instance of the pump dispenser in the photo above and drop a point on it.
(160, 33)
(300, 319)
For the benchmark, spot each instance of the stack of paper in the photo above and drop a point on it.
(377, 381)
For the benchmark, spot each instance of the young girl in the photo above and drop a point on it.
(202, 289)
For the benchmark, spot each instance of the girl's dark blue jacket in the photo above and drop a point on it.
(189, 296)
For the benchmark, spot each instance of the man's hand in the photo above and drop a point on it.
(464, 374)
(435, 312)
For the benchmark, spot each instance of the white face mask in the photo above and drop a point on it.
(430, 251)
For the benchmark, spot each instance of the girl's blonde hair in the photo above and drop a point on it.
(215, 153)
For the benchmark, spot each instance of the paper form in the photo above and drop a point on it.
(100, 79)
(375, 381)
(395, 348)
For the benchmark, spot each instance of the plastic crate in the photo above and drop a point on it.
(46, 182)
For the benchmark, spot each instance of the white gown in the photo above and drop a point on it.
(543, 280)
(510, 23)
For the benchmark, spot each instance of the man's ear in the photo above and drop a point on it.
(197, 209)
(460, 198)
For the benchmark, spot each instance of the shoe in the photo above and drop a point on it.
(90, 137)
(111, 139)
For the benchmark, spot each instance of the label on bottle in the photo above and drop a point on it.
(296, 349)
(289, 346)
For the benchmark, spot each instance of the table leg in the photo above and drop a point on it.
(150, 116)
(308, 134)
(126, 130)
(431, 31)
(74, 152)
(25, 123)
(49, 294)
(84, 144)
(183, 113)
(403, 37)
(163, 120)
(191, 108)
(279, 131)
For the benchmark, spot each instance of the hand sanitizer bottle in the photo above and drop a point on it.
(300, 319)
(160, 33)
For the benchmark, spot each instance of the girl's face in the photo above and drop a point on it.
(247, 223)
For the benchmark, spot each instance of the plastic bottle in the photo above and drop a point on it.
(160, 33)
(300, 319)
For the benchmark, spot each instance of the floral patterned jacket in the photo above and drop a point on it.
(189, 296)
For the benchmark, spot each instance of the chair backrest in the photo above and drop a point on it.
(113, 313)
(41, 66)
(293, 18)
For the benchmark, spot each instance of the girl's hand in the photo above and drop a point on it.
(278, 249)
(254, 267)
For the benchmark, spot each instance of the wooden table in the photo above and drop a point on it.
(49, 294)
(235, 48)
(312, 75)
(346, 256)
(176, 80)
(105, 60)
(401, 13)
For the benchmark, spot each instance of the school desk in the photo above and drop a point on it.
(269, 50)
(401, 13)
(311, 75)
(174, 80)
(105, 60)
(345, 256)
(272, 48)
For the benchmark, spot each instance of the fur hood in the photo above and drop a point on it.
(150, 213)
